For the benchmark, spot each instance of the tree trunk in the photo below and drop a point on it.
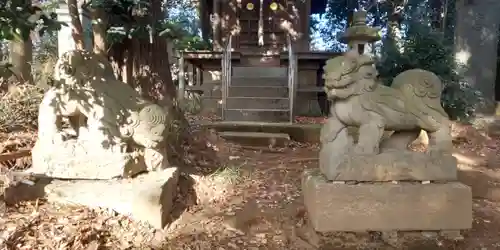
(99, 27)
(449, 21)
(21, 57)
(394, 26)
(144, 63)
(21, 51)
(437, 9)
(351, 5)
(204, 20)
(77, 31)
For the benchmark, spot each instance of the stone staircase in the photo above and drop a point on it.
(258, 94)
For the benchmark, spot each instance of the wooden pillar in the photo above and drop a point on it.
(261, 23)
(216, 26)
(306, 39)
(304, 10)
(204, 19)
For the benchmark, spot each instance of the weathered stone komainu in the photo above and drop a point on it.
(114, 131)
(378, 184)
(412, 103)
(114, 155)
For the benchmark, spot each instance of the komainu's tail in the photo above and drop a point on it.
(422, 91)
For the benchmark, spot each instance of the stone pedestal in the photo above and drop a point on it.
(385, 206)
(148, 197)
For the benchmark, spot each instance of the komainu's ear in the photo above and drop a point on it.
(76, 58)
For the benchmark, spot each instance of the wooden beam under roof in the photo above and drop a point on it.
(317, 6)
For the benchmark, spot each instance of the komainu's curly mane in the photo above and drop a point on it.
(349, 75)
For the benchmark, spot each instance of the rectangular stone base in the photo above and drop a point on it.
(385, 206)
(148, 197)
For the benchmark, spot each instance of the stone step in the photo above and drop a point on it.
(257, 103)
(256, 138)
(258, 91)
(257, 72)
(257, 115)
(261, 81)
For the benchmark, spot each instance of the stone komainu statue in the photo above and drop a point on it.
(410, 105)
(113, 129)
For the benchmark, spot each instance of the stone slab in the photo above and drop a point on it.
(148, 197)
(385, 206)
(256, 138)
(394, 166)
(298, 132)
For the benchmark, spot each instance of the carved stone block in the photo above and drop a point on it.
(76, 160)
(386, 206)
(393, 166)
(148, 197)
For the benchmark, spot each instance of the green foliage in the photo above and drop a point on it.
(125, 19)
(428, 50)
(183, 40)
(338, 13)
(131, 19)
(18, 18)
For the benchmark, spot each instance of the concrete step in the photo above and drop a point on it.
(257, 72)
(257, 115)
(261, 81)
(258, 91)
(257, 103)
(256, 138)
(297, 131)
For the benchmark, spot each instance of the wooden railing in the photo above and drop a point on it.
(182, 80)
(189, 78)
(226, 73)
(292, 77)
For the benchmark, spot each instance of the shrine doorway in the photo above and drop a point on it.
(261, 26)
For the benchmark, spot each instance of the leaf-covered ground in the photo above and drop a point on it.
(253, 202)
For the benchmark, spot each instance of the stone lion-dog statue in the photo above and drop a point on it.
(105, 115)
(410, 105)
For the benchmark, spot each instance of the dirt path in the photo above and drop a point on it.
(275, 218)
